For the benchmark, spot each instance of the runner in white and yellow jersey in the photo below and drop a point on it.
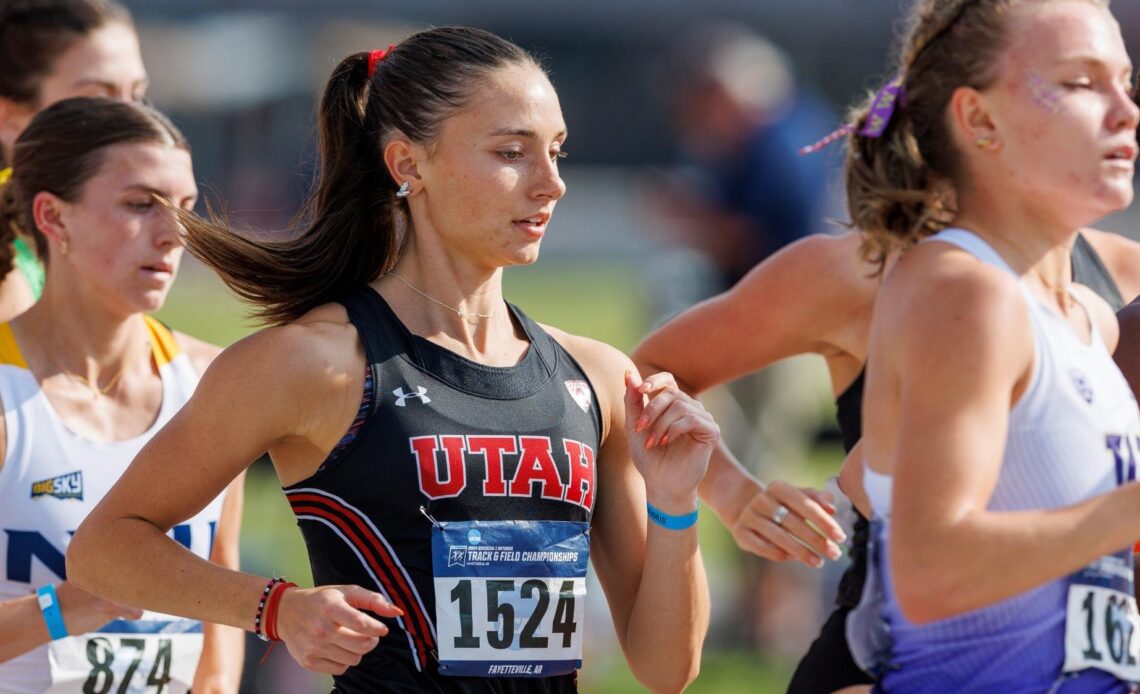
(86, 377)
(53, 50)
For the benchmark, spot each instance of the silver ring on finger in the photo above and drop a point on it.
(780, 514)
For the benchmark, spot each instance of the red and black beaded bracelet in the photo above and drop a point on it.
(257, 620)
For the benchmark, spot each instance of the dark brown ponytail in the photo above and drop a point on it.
(350, 230)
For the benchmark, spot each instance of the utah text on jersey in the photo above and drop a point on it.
(531, 458)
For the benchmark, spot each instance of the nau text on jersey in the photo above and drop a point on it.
(27, 545)
(512, 465)
(69, 486)
(1124, 450)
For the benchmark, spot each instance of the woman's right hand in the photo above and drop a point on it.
(83, 612)
(327, 630)
(806, 531)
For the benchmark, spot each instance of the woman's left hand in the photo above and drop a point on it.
(671, 437)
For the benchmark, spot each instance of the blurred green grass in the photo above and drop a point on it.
(603, 302)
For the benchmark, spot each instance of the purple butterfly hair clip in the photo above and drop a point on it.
(879, 115)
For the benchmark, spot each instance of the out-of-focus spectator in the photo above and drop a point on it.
(743, 190)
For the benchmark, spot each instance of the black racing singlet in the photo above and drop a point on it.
(849, 413)
(464, 441)
(1089, 270)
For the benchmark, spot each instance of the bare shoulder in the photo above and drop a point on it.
(201, 353)
(1121, 257)
(939, 299)
(814, 296)
(319, 345)
(822, 286)
(821, 263)
(604, 364)
(593, 355)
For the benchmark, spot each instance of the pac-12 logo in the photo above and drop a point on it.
(1081, 383)
(580, 391)
(69, 486)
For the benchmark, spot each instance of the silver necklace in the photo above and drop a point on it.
(472, 318)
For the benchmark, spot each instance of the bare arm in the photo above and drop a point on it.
(241, 408)
(812, 297)
(223, 647)
(22, 626)
(951, 351)
(653, 578)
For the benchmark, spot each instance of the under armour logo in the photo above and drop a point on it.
(401, 396)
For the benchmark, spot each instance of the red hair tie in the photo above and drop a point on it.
(375, 57)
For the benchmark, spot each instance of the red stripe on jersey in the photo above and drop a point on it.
(372, 548)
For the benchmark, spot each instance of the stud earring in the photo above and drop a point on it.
(63, 247)
(404, 190)
(984, 142)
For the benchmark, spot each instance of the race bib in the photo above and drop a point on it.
(1101, 624)
(154, 654)
(510, 597)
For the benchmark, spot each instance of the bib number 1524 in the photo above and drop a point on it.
(503, 598)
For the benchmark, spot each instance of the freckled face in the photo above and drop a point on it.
(1062, 109)
(124, 248)
(490, 181)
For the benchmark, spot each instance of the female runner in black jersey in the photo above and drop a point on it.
(451, 463)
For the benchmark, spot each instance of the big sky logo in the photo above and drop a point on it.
(69, 486)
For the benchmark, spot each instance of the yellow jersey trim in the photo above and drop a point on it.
(10, 351)
(163, 345)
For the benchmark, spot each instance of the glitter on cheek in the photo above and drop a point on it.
(1044, 95)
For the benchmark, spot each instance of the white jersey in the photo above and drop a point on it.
(1074, 434)
(50, 480)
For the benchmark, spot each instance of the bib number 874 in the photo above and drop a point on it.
(102, 656)
(502, 597)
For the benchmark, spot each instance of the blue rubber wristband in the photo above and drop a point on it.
(53, 617)
(671, 522)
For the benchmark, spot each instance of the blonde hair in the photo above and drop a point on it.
(897, 184)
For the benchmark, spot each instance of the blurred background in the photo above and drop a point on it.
(685, 120)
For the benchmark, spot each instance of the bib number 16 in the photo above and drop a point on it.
(1100, 631)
